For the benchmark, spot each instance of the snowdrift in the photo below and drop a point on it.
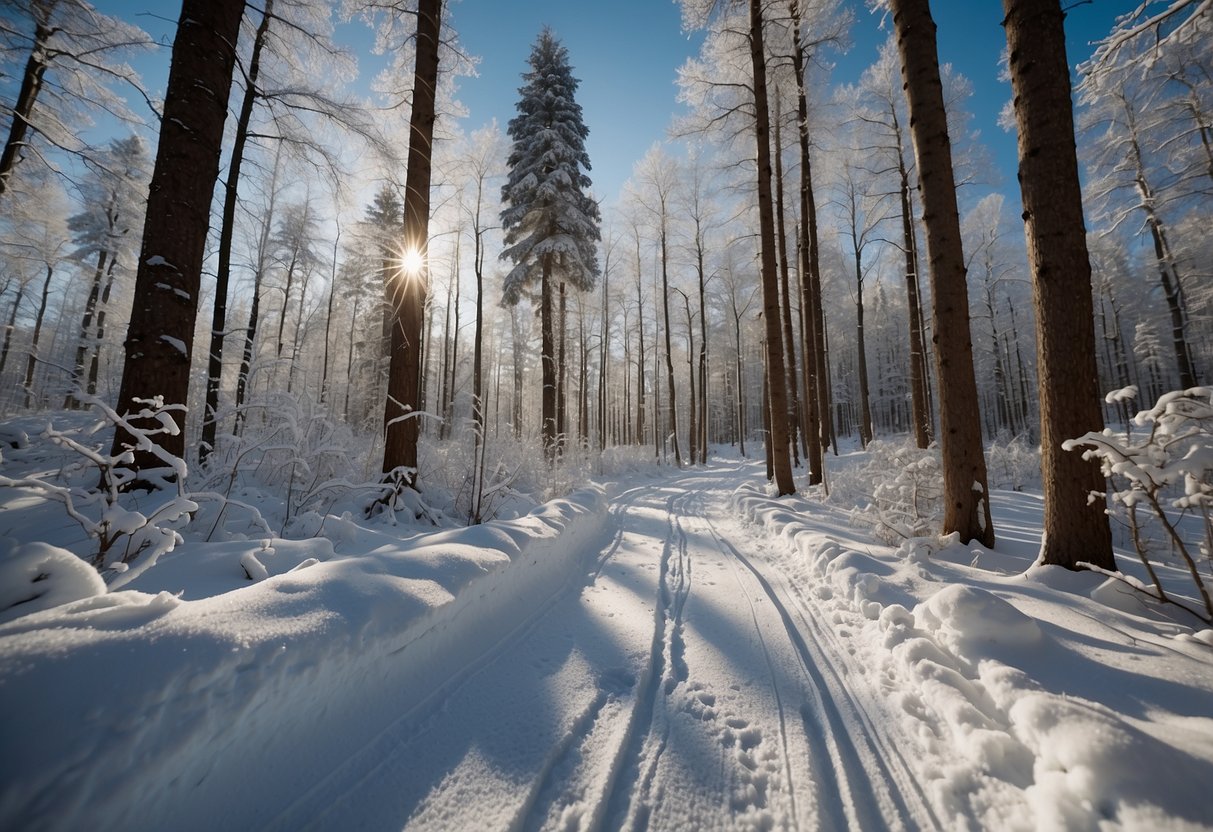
(1023, 700)
(134, 710)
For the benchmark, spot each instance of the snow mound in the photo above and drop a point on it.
(38, 576)
(1088, 760)
(314, 657)
(969, 619)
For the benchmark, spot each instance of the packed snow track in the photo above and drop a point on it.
(680, 685)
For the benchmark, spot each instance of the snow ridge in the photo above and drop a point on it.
(204, 696)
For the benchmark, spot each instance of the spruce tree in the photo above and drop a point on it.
(551, 224)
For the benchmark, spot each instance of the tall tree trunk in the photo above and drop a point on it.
(669, 357)
(770, 276)
(479, 438)
(640, 348)
(349, 361)
(740, 381)
(27, 96)
(604, 349)
(33, 347)
(548, 360)
(703, 351)
(408, 308)
(223, 270)
(789, 334)
(1075, 527)
(518, 352)
(250, 333)
(562, 400)
(160, 338)
(94, 368)
(328, 318)
(966, 495)
(70, 402)
(865, 400)
(920, 410)
(817, 390)
(10, 327)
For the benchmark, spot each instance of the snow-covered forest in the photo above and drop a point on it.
(363, 464)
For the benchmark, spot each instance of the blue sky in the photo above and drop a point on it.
(626, 53)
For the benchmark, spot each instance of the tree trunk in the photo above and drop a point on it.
(966, 501)
(1075, 528)
(669, 357)
(548, 360)
(920, 410)
(70, 402)
(401, 428)
(223, 270)
(817, 391)
(33, 347)
(640, 347)
(478, 433)
(789, 334)
(160, 338)
(12, 325)
(31, 85)
(562, 401)
(328, 318)
(250, 334)
(865, 401)
(94, 368)
(770, 276)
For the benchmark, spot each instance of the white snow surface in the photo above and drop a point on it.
(679, 652)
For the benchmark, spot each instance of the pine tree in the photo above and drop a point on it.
(967, 506)
(1075, 527)
(409, 284)
(551, 224)
(160, 338)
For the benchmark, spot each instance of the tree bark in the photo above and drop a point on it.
(770, 277)
(160, 338)
(27, 96)
(223, 270)
(817, 390)
(966, 500)
(548, 360)
(400, 425)
(669, 358)
(33, 347)
(1075, 528)
(789, 334)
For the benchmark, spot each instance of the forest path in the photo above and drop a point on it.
(682, 684)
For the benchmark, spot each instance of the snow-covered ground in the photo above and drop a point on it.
(679, 652)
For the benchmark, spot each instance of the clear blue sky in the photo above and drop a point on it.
(626, 53)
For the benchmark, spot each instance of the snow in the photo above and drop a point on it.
(175, 343)
(679, 651)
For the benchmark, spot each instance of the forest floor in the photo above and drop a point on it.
(708, 657)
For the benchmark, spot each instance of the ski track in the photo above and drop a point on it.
(680, 684)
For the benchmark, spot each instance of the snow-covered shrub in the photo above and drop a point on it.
(1013, 464)
(131, 529)
(292, 459)
(897, 492)
(1168, 470)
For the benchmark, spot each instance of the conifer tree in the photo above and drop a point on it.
(551, 224)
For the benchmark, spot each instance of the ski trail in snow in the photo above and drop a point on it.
(856, 752)
(679, 684)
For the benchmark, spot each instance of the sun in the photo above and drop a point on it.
(412, 262)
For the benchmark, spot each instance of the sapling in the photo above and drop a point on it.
(1168, 467)
(128, 540)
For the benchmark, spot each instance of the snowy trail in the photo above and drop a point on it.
(680, 685)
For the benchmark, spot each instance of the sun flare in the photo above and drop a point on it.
(412, 262)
